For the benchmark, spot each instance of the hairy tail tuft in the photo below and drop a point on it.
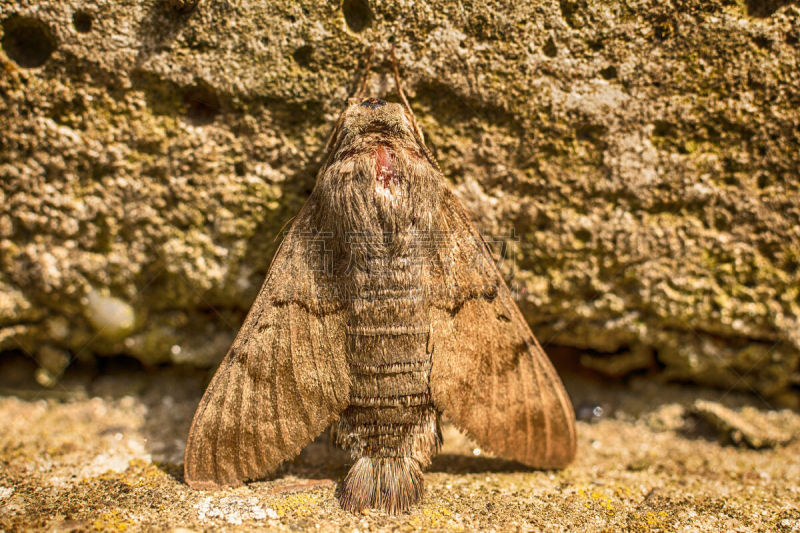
(390, 483)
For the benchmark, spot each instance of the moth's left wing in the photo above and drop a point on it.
(285, 377)
(489, 374)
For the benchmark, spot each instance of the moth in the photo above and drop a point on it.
(383, 310)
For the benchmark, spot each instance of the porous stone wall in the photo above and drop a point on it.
(640, 159)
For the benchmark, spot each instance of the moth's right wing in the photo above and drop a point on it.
(285, 377)
(489, 374)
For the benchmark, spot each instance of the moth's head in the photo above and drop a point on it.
(373, 115)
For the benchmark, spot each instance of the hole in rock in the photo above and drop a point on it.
(27, 41)
(357, 14)
(202, 104)
(82, 21)
(303, 55)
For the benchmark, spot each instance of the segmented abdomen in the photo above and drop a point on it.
(390, 412)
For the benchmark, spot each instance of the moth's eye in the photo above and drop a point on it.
(373, 103)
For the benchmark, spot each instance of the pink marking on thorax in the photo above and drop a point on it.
(384, 165)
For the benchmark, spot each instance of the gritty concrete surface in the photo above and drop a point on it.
(102, 451)
(639, 158)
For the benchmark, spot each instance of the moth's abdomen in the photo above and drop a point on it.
(390, 412)
(391, 426)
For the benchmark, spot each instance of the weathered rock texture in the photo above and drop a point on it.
(644, 155)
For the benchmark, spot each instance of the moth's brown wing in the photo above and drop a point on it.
(285, 377)
(489, 374)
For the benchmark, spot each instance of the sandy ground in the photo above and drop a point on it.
(103, 451)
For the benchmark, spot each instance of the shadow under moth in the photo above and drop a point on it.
(382, 311)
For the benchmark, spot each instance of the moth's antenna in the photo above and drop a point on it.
(402, 94)
(362, 86)
(414, 125)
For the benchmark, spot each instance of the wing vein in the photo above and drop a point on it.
(544, 409)
(277, 397)
(529, 409)
(302, 403)
(256, 414)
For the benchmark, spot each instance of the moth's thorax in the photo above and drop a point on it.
(379, 194)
